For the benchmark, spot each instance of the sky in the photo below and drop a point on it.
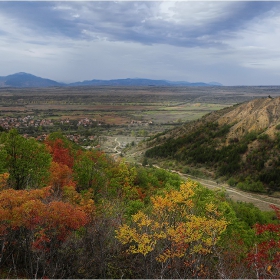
(231, 42)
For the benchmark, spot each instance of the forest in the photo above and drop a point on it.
(67, 212)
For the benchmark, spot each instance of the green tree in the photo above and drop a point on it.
(88, 171)
(27, 161)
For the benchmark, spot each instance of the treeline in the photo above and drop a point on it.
(66, 212)
(255, 169)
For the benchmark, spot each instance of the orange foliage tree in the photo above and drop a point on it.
(60, 152)
(61, 169)
(4, 180)
(60, 176)
(33, 227)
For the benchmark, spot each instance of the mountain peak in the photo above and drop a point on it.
(22, 79)
(22, 74)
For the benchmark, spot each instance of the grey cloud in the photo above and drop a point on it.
(133, 21)
(240, 15)
(40, 17)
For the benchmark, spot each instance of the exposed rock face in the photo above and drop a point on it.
(260, 115)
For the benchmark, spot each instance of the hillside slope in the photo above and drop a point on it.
(240, 143)
(260, 115)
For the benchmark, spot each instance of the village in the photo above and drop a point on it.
(35, 127)
(84, 132)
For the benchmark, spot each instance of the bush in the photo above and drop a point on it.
(252, 186)
(251, 136)
(263, 136)
(232, 182)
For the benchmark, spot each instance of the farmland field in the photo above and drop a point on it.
(119, 111)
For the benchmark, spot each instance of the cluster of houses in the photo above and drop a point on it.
(83, 122)
(87, 122)
(145, 123)
(72, 137)
(27, 121)
(31, 121)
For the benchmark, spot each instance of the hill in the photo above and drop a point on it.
(28, 80)
(22, 79)
(240, 143)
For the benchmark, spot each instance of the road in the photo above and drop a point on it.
(261, 201)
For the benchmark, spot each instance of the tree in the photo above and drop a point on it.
(264, 257)
(27, 161)
(61, 152)
(60, 176)
(89, 171)
(173, 236)
(121, 183)
(33, 229)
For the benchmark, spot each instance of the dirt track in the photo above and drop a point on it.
(261, 201)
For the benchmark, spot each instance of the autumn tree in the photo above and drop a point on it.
(172, 237)
(61, 150)
(264, 257)
(33, 229)
(60, 176)
(4, 180)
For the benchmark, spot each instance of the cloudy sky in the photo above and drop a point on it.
(231, 42)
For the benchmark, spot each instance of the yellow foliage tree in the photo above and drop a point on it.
(173, 231)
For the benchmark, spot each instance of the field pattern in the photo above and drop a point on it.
(117, 111)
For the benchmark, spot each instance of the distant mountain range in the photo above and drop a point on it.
(28, 80)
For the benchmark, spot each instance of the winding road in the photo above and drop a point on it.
(118, 145)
